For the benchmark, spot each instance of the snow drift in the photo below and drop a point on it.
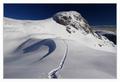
(63, 46)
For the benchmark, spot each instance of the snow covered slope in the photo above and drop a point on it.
(63, 46)
(109, 34)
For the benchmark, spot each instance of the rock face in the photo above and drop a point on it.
(63, 46)
(72, 19)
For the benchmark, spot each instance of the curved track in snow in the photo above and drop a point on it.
(52, 73)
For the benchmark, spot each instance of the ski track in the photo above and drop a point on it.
(52, 73)
(25, 46)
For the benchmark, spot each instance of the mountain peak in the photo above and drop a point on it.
(66, 17)
(73, 19)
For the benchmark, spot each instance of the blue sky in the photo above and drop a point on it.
(95, 14)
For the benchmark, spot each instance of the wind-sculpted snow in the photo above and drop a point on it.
(34, 57)
(32, 45)
(63, 46)
(47, 42)
(79, 62)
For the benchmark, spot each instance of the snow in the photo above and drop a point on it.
(88, 55)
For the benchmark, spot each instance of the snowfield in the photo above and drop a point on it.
(63, 46)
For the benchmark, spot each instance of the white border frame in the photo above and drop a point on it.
(60, 1)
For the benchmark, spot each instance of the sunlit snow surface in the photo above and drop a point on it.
(44, 49)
